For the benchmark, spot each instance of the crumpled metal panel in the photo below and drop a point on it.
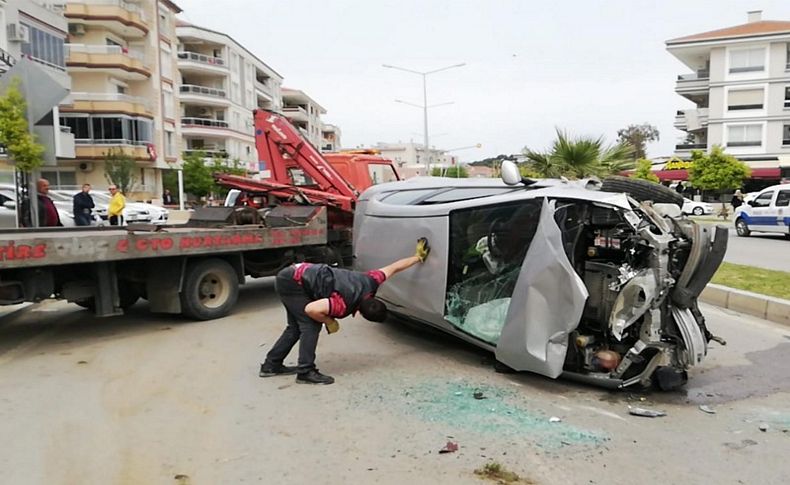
(546, 306)
(635, 298)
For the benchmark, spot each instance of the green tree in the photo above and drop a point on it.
(638, 136)
(643, 171)
(717, 171)
(21, 145)
(170, 180)
(452, 172)
(198, 178)
(580, 157)
(120, 169)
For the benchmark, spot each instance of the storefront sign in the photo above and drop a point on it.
(678, 165)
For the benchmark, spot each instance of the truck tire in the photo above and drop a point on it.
(127, 295)
(210, 289)
(642, 190)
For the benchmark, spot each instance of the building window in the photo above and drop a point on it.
(45, 48)
(60, 179)
(164, 27)
(747, 60)
(787, 60)
(745, 99)
(786, 135)
(169, 102)
(109, 130)
(787, 97)
(745, 136)
(170, 146)
(167, 61)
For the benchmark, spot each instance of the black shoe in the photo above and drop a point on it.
(313, 377)
(269, 370)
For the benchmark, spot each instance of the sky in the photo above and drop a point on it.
(589, 67)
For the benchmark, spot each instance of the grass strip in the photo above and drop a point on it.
(757, 280)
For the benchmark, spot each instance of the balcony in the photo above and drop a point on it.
(203, 95)
(201, 64)
(296, 113)
(65, 147)
(204, 127)
(210, 153)
(124, 18)
(203, 122)
(692, 119)
(97, 149)
(687, 147)
(107, 103)
(118, 61)
(697, 83)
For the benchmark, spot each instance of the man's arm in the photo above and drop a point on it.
(318, 310)
(399, 265)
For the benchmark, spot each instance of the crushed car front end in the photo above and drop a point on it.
(560, 279)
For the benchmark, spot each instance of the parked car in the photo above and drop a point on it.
(574, 279)
(64, 209)
(132, 212)
(696, 208)
(769, 211)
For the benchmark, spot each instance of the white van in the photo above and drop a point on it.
(769, 211)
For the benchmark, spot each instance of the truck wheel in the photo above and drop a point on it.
(128, 296)
(210, 289)
(642, 190)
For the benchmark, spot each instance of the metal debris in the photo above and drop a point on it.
(763, 427)
(707, 409)
(554, 419)
(450, 447)
(479, 395)
(647, 413)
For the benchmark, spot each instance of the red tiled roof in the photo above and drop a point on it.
(751, 29)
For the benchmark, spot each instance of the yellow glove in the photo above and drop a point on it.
(423, 249)
(332, 326)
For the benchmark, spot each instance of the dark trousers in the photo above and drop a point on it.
(300, 327)
(115, 220)
(82, 219)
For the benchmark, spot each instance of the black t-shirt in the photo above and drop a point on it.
(345, 289)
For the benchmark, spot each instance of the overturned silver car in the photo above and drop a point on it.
(587, 280)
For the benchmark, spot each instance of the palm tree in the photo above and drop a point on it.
(581, 157)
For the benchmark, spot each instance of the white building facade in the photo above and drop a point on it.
(221, 84)
(304, 113)
(740, 86)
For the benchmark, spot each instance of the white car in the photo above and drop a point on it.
(8, 216)
(696, 208)
(133, 212)
(768, 212)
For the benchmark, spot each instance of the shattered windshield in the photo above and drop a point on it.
(487, 248)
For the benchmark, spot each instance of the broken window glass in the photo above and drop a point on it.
(487, 247)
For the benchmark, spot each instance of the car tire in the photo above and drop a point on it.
(210, 290)
(742, 228)
(698, 211)
(642, 190)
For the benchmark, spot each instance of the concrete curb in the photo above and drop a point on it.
(761, 306)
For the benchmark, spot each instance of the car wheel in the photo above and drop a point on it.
(211, 288)
(642, 190)
(742, 228)
(698, 211)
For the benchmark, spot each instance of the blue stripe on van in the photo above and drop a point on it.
(760, 220)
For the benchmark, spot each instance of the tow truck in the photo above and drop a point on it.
(196, 269)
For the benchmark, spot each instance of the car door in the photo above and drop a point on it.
(546, 305)
(782, 205)
(761, 216)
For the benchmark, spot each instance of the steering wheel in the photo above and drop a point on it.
(491, 240)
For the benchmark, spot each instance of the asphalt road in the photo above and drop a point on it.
(144, 399)
(763, 250)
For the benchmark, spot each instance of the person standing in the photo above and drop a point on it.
(316, 294)
(737, 200)
(167, 198)
(116, 207)
(83, 205)
(47, 212)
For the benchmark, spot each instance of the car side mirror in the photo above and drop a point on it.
(9, 204)
(511, 174)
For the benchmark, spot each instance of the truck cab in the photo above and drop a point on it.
(768, 212)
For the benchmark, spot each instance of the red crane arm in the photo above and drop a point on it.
(278, 141)
(284, 191)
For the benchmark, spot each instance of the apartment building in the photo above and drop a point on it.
(304, 113)
(410, 158)
(740, 87)
(221, 84)
(121, 57)
(330, 138)
(36, 31)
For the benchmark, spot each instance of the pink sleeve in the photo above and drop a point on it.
(378, 276)
(337, 305)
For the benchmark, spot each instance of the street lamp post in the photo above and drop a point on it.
(424, 105)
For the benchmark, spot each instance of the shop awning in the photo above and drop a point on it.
(672, 174)
(766, 173)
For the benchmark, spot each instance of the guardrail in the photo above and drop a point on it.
(188, 121)
(203, 90)
(202, 58)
